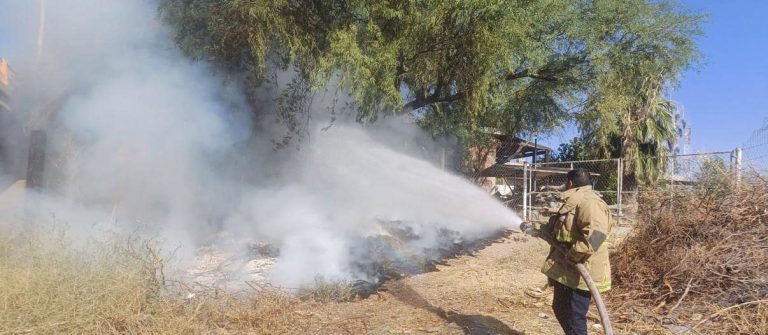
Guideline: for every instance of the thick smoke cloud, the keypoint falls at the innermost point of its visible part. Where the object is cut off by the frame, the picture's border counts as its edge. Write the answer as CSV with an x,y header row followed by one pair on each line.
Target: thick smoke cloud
x,y
346,186
155,142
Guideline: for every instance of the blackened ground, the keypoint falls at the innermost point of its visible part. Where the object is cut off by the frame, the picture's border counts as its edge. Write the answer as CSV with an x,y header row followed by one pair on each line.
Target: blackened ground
x,y
477,292
399,254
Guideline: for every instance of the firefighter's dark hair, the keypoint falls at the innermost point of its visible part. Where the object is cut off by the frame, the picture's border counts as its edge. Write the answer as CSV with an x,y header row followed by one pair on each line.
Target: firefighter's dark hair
x,y
579,177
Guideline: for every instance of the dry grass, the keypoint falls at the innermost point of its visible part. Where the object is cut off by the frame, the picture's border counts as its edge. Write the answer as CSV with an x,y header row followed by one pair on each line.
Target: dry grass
x,y
328,291
698,259
51,283
116,287
48,284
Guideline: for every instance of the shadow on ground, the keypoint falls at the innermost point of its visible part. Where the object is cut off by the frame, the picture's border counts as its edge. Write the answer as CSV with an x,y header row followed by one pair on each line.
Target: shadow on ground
x,y
471,324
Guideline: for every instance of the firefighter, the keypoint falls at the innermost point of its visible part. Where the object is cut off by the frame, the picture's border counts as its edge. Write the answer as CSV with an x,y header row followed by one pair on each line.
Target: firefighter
x,y
581,225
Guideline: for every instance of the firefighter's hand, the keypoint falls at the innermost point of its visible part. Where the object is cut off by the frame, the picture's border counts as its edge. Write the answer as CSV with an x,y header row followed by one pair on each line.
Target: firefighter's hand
x,y
528,228
575,257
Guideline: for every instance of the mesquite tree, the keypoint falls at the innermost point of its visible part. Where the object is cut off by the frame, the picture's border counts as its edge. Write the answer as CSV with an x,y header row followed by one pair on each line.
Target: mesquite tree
x,y
462,68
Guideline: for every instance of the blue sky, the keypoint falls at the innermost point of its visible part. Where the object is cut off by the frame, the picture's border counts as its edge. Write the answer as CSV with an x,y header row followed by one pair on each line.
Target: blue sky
x,y
724,99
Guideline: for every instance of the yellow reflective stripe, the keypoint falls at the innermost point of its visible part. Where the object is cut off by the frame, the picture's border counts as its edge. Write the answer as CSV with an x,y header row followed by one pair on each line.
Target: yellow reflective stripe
x,y
563,235
580,284
602,287
572,279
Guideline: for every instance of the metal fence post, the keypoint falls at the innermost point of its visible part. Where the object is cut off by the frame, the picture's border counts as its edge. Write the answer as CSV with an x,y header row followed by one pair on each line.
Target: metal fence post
x,y
738,168
36,160
525,191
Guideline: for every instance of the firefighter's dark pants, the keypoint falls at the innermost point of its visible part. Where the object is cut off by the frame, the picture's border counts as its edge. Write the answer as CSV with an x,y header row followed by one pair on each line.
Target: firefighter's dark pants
x,y
570,307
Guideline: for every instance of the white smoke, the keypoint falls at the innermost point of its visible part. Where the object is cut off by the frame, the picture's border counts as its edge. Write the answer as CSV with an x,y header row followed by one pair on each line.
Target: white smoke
x,y
348,183
134,129
156,141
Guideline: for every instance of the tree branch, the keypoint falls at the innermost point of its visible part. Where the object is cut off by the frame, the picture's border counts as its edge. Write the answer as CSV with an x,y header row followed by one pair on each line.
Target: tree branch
x,y
526,73
422,101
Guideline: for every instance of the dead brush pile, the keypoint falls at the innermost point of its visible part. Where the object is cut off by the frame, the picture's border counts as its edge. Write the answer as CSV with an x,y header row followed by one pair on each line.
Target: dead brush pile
x,y
697,262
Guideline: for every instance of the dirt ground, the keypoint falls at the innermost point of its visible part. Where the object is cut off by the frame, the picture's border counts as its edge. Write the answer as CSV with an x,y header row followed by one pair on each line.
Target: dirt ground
x,y
483,293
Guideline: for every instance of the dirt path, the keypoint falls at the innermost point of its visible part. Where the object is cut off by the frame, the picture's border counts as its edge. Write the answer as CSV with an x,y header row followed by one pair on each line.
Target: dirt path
x,y
479,294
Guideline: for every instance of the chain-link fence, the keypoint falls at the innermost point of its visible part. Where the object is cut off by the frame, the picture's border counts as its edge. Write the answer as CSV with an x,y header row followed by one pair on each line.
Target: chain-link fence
x,y
674,174
522,174
545,182
622,182
755,151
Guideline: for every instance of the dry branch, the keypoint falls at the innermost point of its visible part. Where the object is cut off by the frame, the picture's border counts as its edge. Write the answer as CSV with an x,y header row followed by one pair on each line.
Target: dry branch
x,y
706,244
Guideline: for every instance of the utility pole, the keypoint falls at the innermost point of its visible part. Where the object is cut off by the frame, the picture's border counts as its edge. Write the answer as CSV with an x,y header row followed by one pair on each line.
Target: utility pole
x,y
37,136
40,33
36,160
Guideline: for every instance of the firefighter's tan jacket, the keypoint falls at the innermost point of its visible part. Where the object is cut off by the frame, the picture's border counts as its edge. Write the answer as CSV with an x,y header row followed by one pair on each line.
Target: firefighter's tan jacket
x,y
582,225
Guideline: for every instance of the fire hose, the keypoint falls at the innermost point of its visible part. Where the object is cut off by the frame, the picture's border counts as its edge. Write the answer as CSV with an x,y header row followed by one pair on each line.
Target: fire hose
x,y
582,270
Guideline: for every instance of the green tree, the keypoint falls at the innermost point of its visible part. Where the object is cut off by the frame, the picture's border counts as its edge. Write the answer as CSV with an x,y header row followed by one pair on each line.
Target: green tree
x,y
654,140
713,178
463,68
645,147
631,119
574,150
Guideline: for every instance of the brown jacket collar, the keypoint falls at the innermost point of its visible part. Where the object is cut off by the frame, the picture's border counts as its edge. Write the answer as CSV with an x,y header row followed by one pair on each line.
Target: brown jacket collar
x,y
568,193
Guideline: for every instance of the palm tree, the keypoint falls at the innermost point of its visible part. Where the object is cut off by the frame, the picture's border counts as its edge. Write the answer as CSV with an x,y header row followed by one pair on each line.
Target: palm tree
x,y
646,149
